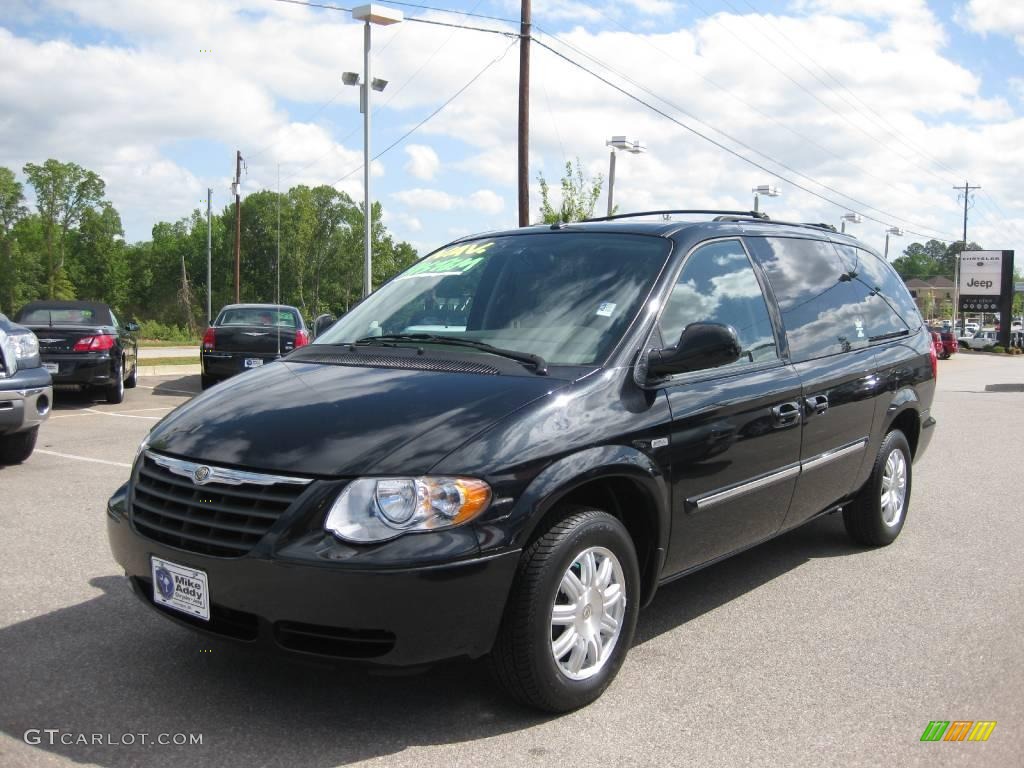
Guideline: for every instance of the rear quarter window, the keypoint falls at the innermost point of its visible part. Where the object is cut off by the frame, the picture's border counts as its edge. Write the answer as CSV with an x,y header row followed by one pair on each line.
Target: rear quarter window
x,y
825,308
880,277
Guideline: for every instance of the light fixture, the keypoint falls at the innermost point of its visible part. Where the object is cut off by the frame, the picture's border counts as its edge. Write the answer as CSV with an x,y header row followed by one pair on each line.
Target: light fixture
x,y
377,14
622,144
350,78
378,85
766,190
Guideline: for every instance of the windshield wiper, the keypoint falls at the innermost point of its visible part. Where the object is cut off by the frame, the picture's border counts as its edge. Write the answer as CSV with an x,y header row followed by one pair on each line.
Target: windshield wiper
x,y
540,366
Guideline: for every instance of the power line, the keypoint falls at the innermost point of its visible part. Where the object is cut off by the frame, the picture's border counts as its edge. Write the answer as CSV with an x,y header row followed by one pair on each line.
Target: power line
x,y
455,12
892,130
710,140
387,101
412,19
802,136
735,140
809,92
433,114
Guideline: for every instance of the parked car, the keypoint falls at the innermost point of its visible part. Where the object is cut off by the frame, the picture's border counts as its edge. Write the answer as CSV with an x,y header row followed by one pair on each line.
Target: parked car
x,y
630,401
937,343
950,346
980,340
245,336
25,392
82,343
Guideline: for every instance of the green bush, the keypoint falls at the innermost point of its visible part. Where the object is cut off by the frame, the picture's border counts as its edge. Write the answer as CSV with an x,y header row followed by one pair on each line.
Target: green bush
x,y
156,331
998,348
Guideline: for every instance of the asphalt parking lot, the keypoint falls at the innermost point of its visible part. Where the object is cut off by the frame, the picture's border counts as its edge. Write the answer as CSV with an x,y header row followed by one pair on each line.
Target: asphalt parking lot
x,y
803,651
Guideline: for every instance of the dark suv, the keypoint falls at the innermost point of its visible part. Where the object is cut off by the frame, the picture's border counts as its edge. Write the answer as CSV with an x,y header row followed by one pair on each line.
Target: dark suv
x,y
26,392
619,404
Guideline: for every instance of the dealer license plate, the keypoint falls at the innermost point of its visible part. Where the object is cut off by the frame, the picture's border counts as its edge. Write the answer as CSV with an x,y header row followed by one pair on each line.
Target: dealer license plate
x,y
253,362
181,588
52,367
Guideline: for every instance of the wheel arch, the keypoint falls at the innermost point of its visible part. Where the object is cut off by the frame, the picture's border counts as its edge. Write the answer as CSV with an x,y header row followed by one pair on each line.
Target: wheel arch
x,y
620,480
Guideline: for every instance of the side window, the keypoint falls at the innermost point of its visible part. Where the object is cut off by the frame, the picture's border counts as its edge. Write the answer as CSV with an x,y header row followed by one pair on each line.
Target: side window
x,y
114,318
882,279
825,308
718,285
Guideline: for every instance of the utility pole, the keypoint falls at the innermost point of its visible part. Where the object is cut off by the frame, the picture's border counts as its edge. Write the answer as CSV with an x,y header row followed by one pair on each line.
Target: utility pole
x,y
238,226
524,115
956,261
209,257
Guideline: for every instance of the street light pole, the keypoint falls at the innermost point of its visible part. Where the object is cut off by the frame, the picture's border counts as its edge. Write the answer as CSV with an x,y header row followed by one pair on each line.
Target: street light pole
x,y
634,147
367,206
891,231
853,218
368,14
768,190
209,257
611,179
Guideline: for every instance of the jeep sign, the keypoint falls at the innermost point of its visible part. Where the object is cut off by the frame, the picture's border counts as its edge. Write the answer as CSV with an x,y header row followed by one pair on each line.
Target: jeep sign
x,y
986,285
981,273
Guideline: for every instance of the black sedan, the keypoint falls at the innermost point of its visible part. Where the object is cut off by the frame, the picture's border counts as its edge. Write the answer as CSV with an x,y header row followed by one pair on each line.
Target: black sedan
x,y
83,343
246,336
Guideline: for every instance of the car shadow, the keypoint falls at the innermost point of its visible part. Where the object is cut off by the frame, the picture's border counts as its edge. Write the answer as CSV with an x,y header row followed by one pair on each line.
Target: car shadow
x,y
110,666
177,386
69,398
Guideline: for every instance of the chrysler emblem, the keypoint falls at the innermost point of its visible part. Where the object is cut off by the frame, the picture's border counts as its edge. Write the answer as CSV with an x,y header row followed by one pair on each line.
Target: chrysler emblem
x,y
201,475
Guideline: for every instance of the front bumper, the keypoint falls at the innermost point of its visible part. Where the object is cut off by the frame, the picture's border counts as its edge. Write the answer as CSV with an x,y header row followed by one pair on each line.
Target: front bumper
x,y
25,400
82,368
395,616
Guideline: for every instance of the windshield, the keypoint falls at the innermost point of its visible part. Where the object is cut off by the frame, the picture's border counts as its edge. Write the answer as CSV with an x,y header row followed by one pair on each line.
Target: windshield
x,y
565,296
63,316
257,316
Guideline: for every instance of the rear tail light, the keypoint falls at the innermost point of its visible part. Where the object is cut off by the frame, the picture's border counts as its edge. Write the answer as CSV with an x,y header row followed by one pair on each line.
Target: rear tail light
x,y
934,355
94,343
301,338
209,338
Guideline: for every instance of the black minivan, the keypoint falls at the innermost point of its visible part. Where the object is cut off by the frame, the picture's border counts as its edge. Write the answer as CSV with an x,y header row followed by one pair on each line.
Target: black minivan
x,y
507,448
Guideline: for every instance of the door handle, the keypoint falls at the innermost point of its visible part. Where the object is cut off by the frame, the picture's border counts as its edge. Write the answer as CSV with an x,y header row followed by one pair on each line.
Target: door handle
x,y
816,405
786,414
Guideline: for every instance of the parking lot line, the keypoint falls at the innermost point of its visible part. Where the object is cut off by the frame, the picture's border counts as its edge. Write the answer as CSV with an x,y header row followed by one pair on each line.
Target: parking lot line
x,y
121,415
83,458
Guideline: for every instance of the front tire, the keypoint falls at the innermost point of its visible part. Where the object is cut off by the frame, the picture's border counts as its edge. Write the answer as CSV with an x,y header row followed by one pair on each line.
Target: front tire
x,y
16,448
876,517
571,614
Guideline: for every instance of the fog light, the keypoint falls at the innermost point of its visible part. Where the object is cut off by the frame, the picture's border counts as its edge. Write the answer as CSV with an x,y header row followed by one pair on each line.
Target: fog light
x,y
42,405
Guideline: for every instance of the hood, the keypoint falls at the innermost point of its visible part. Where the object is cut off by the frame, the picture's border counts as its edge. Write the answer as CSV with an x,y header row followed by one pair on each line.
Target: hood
x,y
341,421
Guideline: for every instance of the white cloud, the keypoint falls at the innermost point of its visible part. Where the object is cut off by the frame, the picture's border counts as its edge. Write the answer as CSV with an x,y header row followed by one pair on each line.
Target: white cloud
x,y
1001,17
429,199
483,200
487,201
423,161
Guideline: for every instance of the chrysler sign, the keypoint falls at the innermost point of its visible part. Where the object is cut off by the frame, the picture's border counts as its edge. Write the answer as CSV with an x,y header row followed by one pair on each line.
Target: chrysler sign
x,y
981,273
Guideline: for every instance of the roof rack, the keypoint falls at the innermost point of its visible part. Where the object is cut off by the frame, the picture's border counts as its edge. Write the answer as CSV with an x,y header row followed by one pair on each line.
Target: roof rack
x,y
758,216
739,214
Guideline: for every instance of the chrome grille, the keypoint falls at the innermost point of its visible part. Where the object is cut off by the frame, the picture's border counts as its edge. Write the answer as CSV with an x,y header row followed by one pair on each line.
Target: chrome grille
x,y
224,512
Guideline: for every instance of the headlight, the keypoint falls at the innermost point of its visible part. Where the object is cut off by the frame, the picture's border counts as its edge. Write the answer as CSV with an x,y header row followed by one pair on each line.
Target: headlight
x,y
378,509
26,349
142,446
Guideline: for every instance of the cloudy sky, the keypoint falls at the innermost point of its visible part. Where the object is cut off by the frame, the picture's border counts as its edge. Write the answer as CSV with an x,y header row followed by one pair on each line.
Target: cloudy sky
x,y
874,106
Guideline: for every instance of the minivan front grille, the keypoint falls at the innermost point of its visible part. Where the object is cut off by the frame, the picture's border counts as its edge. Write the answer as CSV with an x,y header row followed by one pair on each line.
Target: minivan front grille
x,y
223,513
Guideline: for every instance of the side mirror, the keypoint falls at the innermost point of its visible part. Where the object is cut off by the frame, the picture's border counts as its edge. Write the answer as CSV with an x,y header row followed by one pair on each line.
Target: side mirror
x,y
132,327
322,323
701,346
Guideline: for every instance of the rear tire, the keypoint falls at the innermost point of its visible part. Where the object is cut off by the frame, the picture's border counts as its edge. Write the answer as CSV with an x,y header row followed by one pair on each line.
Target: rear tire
x,y
565,632
15,448
115,391
876,517
132,380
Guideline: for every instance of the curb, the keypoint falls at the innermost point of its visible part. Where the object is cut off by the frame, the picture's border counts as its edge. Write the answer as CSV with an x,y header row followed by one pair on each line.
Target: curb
x,y
170,370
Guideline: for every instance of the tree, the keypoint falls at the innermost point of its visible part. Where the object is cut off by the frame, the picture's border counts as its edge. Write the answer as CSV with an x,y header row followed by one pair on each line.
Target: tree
x,y
931,259
12,211
579,196
63,192
96,263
